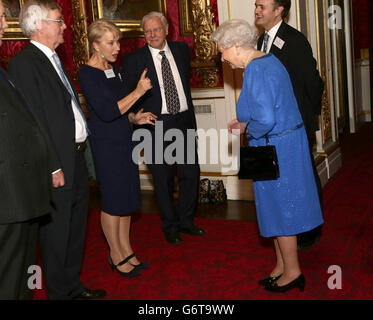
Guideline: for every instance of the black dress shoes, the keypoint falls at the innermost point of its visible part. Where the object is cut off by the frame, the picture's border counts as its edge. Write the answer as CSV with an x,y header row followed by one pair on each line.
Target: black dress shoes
x,y
299,283
194,231
131,274
269,280
172,237
88,294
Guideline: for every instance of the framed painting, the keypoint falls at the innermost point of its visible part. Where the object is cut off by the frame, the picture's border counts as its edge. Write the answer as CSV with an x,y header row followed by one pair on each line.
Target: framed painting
x,y
126,14
12,9
185,17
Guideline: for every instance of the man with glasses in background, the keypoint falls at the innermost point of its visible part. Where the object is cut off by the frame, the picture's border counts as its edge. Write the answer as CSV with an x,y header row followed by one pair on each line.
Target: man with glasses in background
x,y
45,83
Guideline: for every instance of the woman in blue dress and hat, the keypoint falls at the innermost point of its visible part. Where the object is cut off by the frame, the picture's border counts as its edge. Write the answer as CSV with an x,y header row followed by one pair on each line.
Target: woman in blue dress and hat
x,y
289,205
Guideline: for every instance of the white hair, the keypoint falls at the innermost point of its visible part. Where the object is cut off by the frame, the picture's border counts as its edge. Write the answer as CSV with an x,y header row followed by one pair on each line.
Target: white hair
x,y
154,14
236,32
32,13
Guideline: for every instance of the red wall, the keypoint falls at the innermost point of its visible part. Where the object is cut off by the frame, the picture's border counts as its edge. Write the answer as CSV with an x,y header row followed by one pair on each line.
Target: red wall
x,y
65,51
360,12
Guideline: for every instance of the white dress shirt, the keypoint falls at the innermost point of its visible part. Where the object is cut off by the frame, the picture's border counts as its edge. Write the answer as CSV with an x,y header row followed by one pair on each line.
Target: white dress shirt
x,y
80,130
157,59
272,34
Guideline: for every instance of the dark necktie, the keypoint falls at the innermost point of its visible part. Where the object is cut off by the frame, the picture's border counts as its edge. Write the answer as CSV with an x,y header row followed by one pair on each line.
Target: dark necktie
x,y
266,38
57,61
170,91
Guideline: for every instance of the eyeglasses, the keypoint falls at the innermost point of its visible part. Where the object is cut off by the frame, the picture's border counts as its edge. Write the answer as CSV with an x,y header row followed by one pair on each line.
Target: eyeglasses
x,y
59,21
155,30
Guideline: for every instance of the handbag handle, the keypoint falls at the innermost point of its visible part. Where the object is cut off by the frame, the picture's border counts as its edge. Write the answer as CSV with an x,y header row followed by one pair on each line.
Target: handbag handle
x,y
247,140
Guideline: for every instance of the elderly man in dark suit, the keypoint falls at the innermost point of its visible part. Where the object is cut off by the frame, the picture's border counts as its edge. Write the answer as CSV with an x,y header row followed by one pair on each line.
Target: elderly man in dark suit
x,y
25,185
292,48
47,86
170,99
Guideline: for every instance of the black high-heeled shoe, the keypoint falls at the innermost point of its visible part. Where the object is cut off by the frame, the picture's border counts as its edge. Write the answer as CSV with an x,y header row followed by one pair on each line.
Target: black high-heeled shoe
x,y
131,274
140,266
269,280
299,283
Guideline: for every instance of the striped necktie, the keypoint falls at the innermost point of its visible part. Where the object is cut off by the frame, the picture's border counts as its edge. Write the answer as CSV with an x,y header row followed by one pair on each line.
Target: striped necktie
x,y
170,91
266,38
57,61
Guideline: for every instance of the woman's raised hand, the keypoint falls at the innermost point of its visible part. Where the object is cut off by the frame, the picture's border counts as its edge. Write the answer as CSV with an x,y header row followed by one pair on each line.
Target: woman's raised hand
x,y
144,83
144,118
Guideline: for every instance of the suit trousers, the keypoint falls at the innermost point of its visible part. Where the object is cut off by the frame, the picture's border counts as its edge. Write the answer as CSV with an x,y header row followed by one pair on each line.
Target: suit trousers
x,y
181,215
62,236
17,253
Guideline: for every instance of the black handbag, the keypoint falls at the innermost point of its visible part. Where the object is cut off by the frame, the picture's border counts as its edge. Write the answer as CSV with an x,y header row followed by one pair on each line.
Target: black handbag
x,y
258,163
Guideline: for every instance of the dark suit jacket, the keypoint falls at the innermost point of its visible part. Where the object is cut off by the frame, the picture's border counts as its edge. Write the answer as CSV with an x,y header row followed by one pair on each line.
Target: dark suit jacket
x,y
135,63
296,56
25,177
43,88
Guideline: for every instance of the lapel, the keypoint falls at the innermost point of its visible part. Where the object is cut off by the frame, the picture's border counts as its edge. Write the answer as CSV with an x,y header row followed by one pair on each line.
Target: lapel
x,y
51,70
24,109
178,57
35,51
152,75
281,34
260,42
149,64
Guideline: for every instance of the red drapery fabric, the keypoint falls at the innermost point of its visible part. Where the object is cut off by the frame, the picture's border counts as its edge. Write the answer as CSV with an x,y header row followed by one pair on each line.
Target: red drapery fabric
x,y
362,37
65,51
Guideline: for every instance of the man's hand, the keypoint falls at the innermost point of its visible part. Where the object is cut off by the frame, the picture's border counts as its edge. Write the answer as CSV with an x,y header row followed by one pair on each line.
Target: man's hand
x,y
58,179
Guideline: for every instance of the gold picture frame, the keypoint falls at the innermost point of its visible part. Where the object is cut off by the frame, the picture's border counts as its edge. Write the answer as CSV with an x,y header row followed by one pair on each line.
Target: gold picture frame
x,y
13,32
185,18
126,14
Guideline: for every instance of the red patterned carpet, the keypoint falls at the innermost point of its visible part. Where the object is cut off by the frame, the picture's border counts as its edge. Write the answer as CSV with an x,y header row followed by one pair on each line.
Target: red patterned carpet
x,y
227,263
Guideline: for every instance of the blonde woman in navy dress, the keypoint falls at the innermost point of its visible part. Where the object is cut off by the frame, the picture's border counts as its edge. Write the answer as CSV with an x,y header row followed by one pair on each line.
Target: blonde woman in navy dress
x,y
289,205
111,139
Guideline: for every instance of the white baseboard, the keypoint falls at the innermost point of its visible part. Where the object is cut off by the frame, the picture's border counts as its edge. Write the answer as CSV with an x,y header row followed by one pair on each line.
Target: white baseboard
x,y
334,162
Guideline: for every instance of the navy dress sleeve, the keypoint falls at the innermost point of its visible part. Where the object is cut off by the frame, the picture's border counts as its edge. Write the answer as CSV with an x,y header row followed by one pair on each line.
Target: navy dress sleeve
x,y
100,97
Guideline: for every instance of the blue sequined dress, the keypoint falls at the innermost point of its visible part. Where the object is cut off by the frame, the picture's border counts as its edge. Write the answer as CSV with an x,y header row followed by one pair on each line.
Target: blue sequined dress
x,y
289,205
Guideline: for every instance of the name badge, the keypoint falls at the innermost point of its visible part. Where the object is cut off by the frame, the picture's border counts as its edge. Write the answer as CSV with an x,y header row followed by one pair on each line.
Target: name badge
x,y
279,43
109,73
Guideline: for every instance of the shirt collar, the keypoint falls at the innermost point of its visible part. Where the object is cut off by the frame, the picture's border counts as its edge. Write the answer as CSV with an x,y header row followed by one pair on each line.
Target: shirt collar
x,y
155,52
273,31
48,52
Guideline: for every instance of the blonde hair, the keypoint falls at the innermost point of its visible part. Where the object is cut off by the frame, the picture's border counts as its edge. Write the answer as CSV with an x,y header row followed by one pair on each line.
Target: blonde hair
x,y
97,30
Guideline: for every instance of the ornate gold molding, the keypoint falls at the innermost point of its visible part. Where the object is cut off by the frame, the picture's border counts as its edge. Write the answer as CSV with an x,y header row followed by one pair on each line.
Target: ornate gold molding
x,y
206,61
326,118
185,14
81,51
326,103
